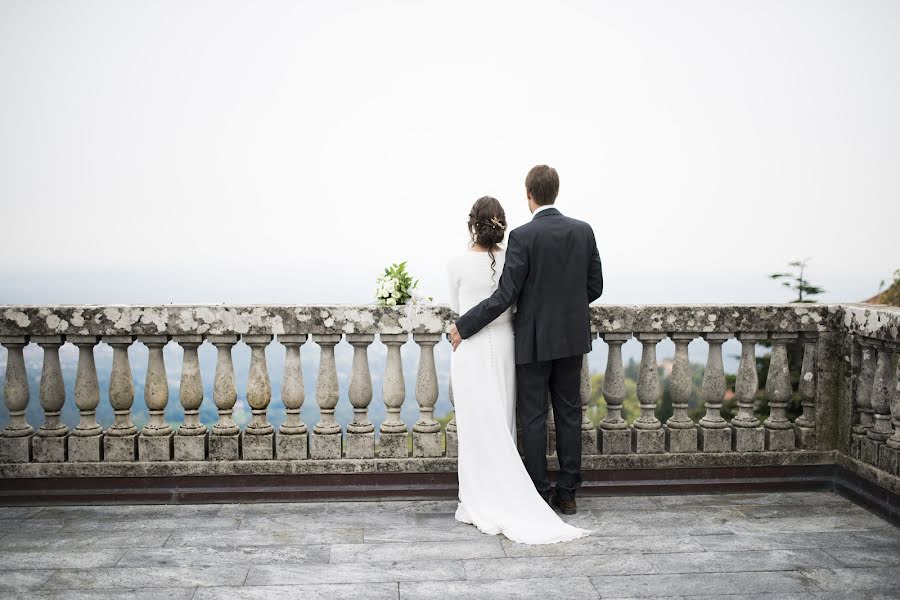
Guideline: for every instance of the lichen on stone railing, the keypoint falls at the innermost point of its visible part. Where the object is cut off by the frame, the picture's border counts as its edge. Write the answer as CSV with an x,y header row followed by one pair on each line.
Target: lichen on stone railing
x,y
848,386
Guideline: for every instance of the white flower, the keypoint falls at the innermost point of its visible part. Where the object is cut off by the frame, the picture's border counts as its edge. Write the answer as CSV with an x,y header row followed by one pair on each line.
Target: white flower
x,y
391,302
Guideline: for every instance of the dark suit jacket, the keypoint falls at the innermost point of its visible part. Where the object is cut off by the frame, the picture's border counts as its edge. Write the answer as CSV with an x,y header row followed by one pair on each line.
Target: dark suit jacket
x,y
552,272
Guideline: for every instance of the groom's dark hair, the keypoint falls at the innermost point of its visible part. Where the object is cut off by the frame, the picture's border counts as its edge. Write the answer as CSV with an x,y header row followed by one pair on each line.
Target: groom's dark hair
x,y
542,184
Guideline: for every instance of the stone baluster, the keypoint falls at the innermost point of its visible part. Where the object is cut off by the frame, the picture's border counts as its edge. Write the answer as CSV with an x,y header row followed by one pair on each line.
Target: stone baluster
x,y
393,443
882,392
805,424
155,440
15,440
291,443
864,386
588,431
258,439
855,362
190,439
681,433
862,395
86,441
715,434
224,439
426,431
326,436
615,434
889,458
649,436
120,440
49,443
451,435
749,435
779,431
361,432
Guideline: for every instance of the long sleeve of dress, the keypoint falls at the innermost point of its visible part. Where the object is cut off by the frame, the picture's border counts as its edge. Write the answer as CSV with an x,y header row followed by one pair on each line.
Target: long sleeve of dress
x,y
453,287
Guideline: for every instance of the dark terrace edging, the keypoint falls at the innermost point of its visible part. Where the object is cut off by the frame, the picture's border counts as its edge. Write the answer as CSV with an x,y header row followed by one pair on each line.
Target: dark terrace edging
x,y
411,486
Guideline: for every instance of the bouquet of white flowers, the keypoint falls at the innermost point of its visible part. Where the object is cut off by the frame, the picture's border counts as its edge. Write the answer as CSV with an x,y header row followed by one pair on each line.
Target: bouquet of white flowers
x,y
395,286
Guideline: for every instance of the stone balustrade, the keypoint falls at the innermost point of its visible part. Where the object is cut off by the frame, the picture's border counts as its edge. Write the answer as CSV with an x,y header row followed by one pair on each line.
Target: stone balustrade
x,y
849,382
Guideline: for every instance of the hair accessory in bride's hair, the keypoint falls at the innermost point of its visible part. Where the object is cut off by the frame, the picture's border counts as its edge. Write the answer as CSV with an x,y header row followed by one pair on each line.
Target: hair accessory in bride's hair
x,y
496,223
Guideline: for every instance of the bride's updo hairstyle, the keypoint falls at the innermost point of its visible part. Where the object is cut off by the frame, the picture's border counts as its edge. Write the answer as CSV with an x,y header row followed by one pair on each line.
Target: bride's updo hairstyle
x,y
487,226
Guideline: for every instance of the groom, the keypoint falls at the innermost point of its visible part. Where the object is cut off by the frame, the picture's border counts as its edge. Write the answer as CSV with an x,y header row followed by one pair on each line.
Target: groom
x,y
552,272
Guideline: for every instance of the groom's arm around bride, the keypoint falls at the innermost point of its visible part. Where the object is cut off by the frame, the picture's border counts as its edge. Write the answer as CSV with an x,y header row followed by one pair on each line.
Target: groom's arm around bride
x,y
552,272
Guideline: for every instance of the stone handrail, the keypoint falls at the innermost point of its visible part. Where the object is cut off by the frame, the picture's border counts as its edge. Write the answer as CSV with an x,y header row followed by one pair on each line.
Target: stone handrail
x,y
848,386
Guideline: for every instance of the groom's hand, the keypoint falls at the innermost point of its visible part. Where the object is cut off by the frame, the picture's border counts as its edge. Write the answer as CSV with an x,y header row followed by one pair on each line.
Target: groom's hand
x,y
455,338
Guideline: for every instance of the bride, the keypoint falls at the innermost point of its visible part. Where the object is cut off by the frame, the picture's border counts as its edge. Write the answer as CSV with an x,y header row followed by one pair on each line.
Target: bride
x,y
496,493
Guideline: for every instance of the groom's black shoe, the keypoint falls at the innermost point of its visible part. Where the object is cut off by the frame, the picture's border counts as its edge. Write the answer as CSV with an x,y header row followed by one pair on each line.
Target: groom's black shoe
x,y
566,507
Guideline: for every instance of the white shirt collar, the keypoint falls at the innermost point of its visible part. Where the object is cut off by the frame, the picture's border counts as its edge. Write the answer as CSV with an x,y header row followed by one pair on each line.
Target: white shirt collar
x,y
540,208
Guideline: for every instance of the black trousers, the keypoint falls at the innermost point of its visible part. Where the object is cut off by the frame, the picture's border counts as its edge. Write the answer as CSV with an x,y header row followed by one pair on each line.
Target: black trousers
x,y
560,379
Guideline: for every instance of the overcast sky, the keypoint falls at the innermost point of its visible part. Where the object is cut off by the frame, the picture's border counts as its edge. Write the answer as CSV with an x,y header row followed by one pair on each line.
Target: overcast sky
x,y
287,151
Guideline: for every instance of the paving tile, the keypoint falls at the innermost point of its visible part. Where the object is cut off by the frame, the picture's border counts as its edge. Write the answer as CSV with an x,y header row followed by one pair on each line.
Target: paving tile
x,y
593,545
25,579
697,500
883,556
250,537
363,519
19,512
486,548
570,588
753,498
885,536
58,559
849,579
784,510
90,540
747,560
139,577
150,524
135,511
316,509
812,539
661,598
460,532
867,595
556,566
414,506
355,572
660,522
338,591
715,584
618,503
808,523
14,526
785,596
211,556
126,594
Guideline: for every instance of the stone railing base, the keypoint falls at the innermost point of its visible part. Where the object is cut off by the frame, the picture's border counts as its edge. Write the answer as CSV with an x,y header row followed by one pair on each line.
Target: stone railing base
x,y
344,479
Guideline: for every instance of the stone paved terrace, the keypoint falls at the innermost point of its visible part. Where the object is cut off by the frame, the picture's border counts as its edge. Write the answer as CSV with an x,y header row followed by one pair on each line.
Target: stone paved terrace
x,y
772,546
108,510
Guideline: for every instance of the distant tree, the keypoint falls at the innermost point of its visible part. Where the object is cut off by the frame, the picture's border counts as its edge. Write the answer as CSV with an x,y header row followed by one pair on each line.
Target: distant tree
x,y
796,280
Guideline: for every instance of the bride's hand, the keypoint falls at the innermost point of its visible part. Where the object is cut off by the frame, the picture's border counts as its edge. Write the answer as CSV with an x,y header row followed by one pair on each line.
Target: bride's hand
x,y
455,338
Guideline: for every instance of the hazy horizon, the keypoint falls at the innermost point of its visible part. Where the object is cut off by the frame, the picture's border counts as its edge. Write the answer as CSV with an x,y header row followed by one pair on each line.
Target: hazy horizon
x,y
288,151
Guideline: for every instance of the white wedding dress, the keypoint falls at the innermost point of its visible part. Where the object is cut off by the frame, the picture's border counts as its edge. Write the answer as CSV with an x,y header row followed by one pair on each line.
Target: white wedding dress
x,y
495,491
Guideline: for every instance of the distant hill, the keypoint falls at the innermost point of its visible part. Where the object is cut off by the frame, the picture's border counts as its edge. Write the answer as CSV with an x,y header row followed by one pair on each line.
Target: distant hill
x,y
890,296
